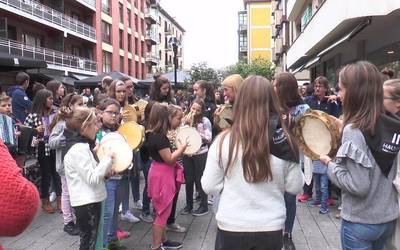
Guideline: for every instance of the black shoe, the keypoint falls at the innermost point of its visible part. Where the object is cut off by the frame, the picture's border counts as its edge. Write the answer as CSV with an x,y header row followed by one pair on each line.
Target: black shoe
x,y
186,210
71,229
169,244
201,211
288,242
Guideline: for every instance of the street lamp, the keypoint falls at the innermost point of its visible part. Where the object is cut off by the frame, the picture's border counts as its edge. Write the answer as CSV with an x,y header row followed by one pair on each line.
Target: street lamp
x,y
175,43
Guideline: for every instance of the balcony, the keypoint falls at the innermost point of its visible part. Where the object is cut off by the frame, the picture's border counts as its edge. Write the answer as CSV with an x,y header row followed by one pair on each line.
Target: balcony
x,y
151,15
273,55
154,2
278,46
242,27
54,59
152,59
242,48
168,32
168,47
152,37
48,16
91,4
279,18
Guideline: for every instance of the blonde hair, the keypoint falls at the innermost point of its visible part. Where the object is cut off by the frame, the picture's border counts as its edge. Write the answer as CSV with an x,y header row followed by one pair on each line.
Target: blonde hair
x,y
79,117
5,98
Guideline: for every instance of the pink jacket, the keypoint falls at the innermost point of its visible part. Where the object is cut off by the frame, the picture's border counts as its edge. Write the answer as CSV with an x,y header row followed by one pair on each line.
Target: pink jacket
x,y
163,183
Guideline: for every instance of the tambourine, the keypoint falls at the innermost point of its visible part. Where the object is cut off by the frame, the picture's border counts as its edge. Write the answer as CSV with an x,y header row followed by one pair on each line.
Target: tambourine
x,y
116,143
191,135
133,133
317,134
223,116
141,104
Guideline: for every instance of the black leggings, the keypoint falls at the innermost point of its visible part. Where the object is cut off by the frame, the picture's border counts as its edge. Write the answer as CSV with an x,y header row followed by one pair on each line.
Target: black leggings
x,y
194,168
248,240
48,172
87,219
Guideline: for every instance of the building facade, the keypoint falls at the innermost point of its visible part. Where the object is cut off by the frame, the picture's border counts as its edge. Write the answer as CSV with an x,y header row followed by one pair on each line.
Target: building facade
x,y
358,30
80,38
60,32
255,30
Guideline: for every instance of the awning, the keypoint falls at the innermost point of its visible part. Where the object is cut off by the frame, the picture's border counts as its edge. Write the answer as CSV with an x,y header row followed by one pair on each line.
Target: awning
x,y
347,37
95,81
11,62
311,62
64,79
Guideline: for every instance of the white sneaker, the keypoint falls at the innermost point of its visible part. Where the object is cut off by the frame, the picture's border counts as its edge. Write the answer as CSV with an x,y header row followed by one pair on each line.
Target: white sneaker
x,y
128,216
52,197
138,204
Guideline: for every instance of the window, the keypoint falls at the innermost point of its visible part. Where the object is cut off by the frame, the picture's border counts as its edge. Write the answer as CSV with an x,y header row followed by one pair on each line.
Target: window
x,y
166,42
243,42
106,62
306,17
143,76
121,64
142,24
130,67
121,39
137,70
106,6
142,49
76,51
136,46
243,19
33,40
121,12
129,18
136,23
129,43
142,5
106,32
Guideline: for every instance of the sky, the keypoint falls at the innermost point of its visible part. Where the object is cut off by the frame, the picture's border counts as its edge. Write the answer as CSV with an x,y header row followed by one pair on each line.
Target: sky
x,y
211,30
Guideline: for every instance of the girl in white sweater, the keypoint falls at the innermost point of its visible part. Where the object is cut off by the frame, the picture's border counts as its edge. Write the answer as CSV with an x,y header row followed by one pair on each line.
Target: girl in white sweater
x,y
84,173
251,165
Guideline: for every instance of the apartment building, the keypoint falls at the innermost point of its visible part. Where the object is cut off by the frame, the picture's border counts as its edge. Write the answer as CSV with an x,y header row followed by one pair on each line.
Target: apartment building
x,y
324,35
280,40
254,30
170,29
58,32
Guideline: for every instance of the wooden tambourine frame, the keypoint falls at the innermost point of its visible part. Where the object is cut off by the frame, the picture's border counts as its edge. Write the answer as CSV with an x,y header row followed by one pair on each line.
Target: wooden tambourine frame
x,y
330,126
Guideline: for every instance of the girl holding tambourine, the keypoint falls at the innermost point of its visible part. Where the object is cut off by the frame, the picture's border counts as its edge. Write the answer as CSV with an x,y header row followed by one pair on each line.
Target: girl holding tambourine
x,y
194,164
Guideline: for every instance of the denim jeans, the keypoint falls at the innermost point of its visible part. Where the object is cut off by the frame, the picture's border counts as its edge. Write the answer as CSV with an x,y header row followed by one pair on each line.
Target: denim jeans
x,y
146,200
111,210
124,192
290,203
321,189
356,236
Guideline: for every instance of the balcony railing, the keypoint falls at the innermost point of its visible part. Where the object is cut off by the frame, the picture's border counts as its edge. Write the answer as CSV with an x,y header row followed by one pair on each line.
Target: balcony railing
x,y
168,32
243,48
52,57
152,36
48,14
242,27
152,14
152,58
90,3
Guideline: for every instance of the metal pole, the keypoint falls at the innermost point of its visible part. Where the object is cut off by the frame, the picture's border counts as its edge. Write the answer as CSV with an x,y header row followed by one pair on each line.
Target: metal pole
x,y
175,46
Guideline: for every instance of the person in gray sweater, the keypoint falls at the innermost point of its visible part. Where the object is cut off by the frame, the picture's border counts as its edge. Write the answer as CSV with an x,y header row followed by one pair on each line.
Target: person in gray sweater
x,y
365,164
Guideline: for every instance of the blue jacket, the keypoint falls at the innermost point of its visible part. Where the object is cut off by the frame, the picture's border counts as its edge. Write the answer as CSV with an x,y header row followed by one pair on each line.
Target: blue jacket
x,y
332,108
20,102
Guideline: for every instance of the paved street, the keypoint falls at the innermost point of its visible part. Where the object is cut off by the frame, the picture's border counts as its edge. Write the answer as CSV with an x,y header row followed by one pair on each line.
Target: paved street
x,y
311,231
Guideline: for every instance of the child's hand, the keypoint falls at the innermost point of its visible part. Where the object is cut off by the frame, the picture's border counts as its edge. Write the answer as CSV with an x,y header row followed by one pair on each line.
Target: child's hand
x,y
183,145
325,159
40,129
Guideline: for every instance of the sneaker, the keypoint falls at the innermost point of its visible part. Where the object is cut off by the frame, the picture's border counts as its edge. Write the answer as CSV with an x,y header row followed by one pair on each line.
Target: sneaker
x,y
186,210
128,216
71,229
138,204
303,198
158,248
200,211
330,202
116,245
52,197
146,218
314,203
169,244
121,234
288,242
323,210
210,201
176,227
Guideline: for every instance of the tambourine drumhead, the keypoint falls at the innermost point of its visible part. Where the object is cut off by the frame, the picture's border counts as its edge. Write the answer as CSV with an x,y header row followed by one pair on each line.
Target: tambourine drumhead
x,y
225,117
114,142
192,136
142,106
129,113
317,134
133,134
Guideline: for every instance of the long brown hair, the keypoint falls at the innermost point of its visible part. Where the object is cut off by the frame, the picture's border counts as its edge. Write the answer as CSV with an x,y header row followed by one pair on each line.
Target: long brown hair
x,y
287,90
66,103
363,101
159,119
255,102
